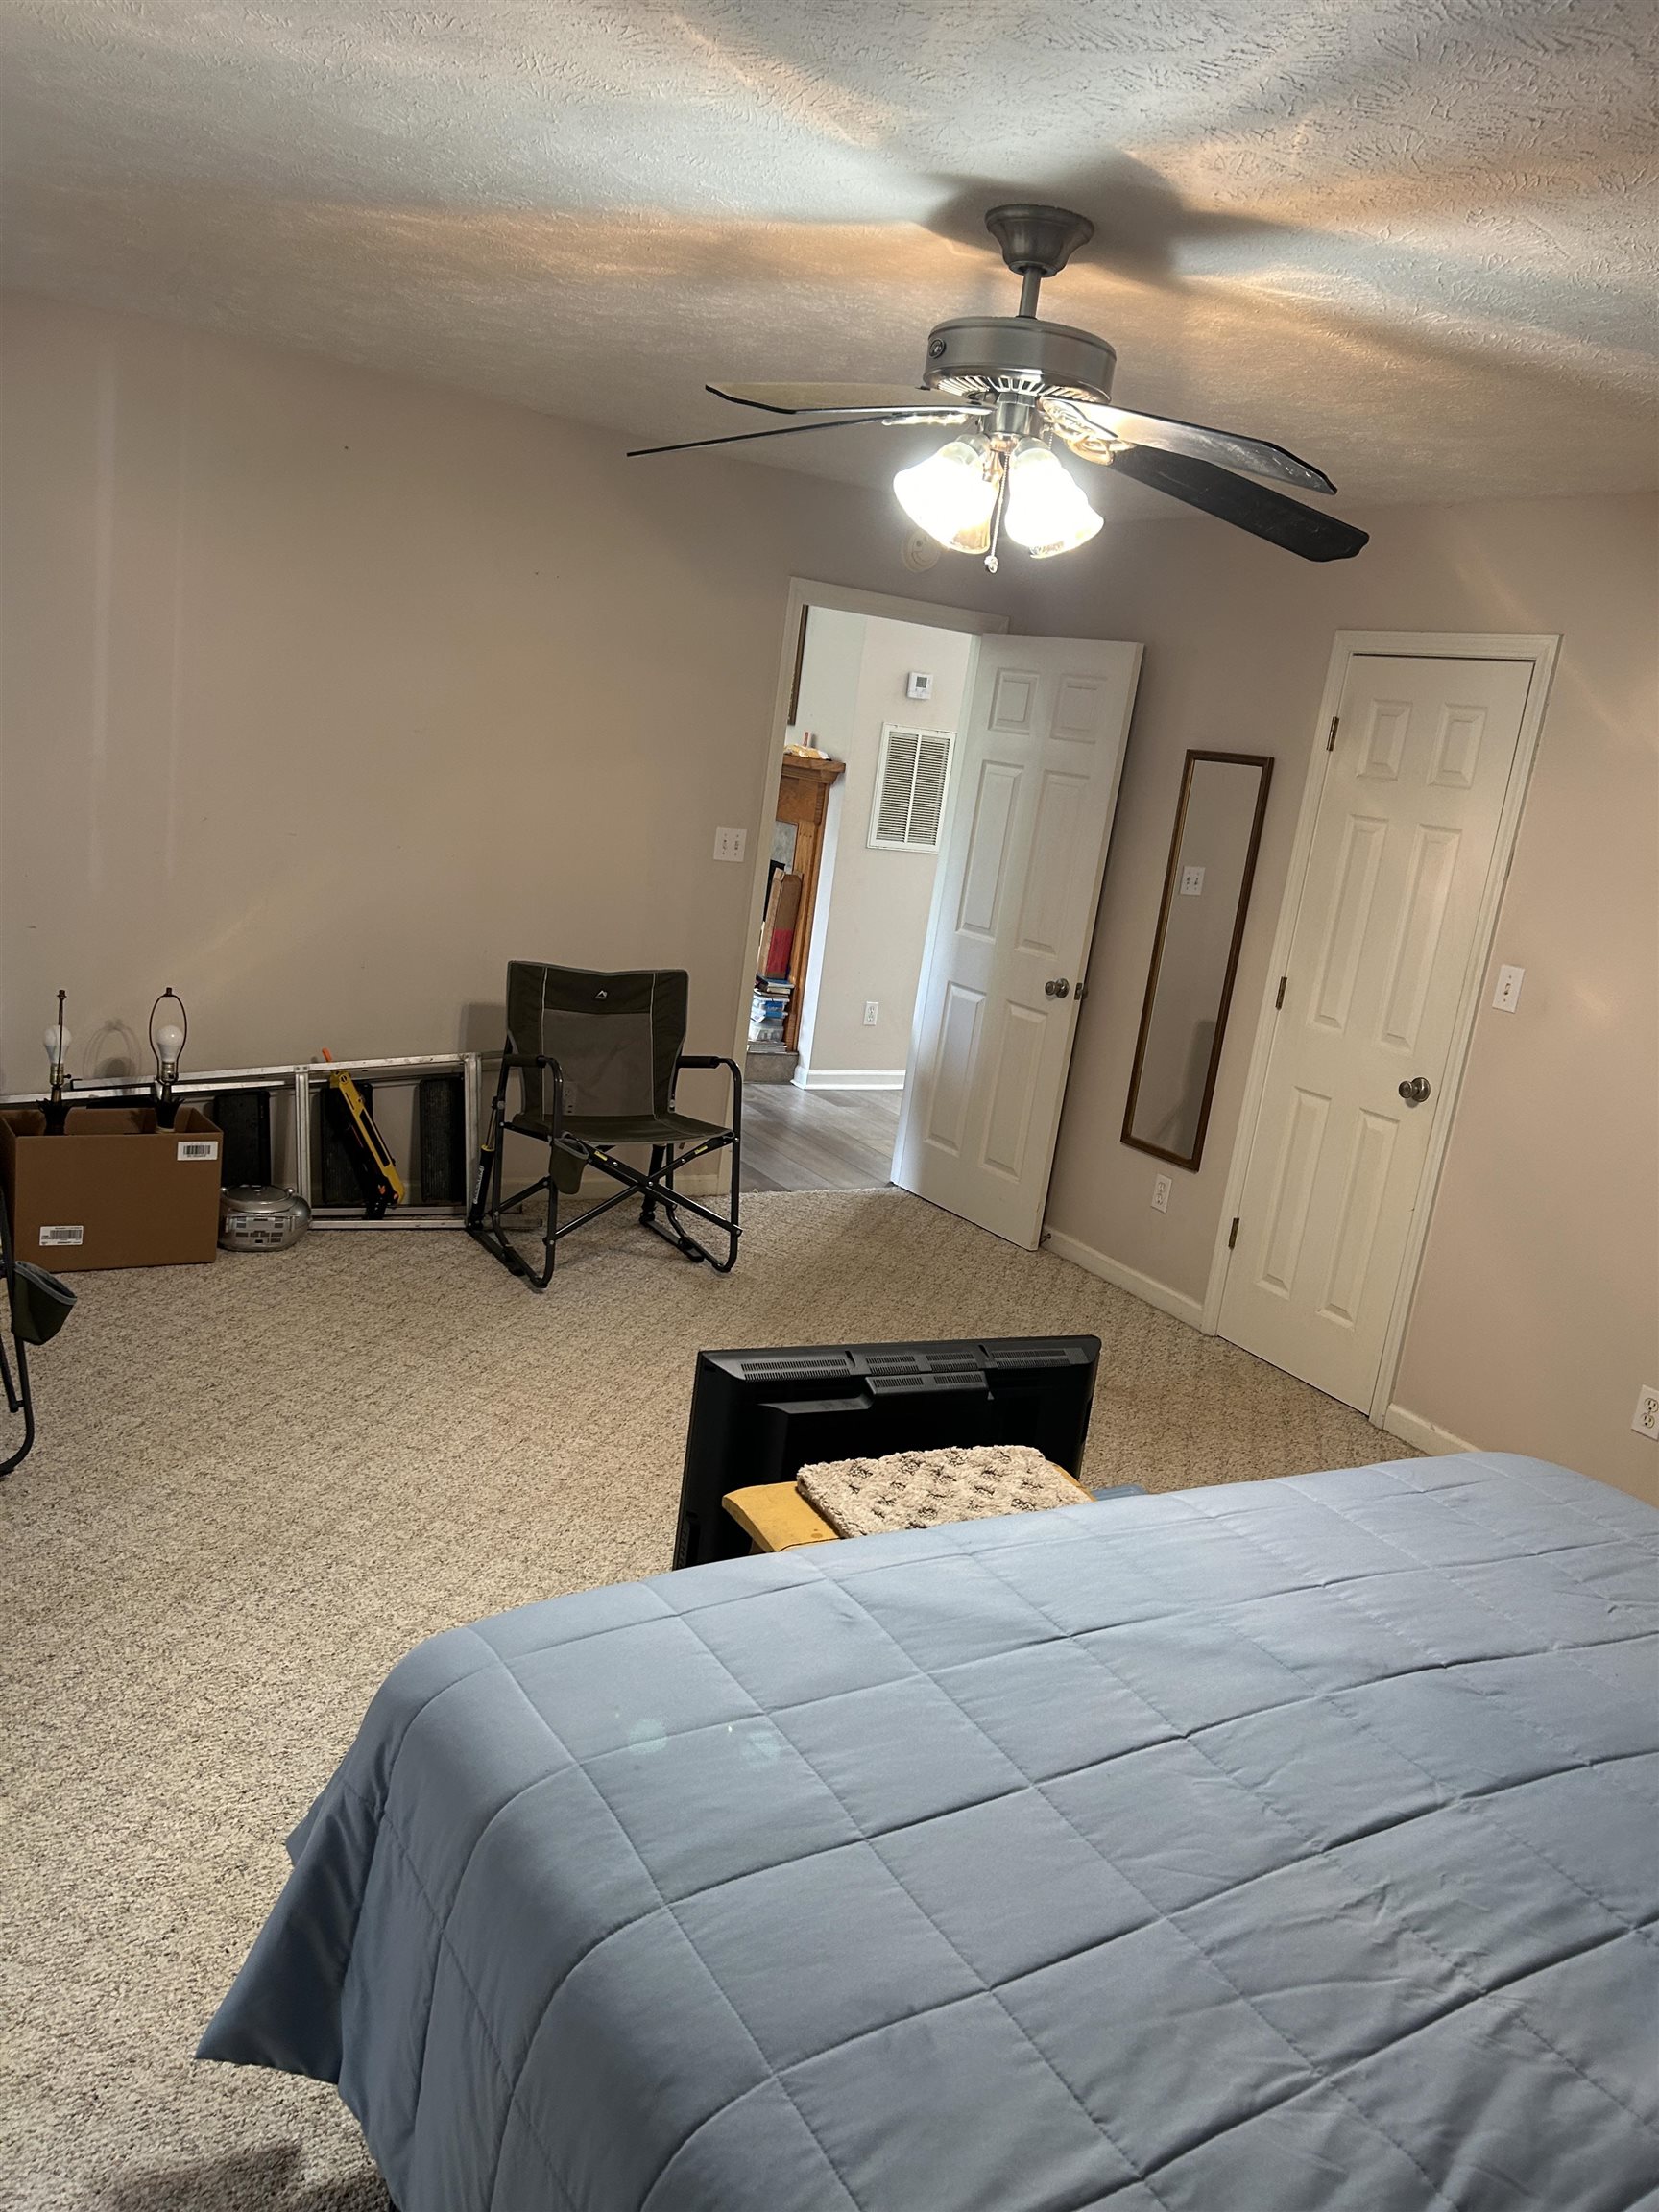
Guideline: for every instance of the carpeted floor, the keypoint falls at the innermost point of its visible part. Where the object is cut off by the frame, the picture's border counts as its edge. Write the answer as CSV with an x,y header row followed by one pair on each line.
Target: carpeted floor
x,y
259,1483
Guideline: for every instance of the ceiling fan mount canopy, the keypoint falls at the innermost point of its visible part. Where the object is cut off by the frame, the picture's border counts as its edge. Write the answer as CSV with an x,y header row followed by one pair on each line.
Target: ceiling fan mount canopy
x,y
1038,240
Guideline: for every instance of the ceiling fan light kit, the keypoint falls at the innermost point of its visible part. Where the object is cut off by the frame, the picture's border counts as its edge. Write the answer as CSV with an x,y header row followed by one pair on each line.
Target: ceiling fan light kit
x,y
952,494
1022,383
1046,512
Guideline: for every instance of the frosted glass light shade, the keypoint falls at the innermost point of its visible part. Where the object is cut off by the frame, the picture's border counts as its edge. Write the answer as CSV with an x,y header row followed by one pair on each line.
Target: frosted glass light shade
x,y
952,494
1046,511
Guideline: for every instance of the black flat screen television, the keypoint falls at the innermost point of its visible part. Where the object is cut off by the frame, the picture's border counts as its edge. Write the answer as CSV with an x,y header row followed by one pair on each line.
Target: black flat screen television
x,y
758,1416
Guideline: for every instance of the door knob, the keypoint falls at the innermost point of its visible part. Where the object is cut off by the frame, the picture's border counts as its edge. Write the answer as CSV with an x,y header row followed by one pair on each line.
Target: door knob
x,y
1057,987
1415,1091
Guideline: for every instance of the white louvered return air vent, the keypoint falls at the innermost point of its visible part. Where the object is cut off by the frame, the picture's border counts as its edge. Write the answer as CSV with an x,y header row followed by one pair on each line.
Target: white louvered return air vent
x,y
910,779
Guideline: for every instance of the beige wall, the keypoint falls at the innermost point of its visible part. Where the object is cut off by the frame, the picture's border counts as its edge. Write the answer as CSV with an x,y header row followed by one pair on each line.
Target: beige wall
x,y
1537,1316
321,694
872,920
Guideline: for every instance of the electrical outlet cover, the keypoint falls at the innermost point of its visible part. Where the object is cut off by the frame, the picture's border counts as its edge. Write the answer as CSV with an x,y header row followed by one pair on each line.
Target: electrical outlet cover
x,y
1161,1193
1645,1419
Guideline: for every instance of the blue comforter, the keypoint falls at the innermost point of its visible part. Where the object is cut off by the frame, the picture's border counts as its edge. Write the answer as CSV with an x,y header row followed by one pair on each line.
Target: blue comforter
x,y
1281,1847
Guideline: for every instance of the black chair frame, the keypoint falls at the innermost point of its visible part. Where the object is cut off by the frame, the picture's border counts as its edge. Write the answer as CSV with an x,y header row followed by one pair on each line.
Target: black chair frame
x,y
654,1186
19,1396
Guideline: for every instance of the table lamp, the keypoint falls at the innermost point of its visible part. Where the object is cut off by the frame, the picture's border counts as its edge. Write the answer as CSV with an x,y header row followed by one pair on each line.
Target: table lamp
x,y
167,1043
57,1041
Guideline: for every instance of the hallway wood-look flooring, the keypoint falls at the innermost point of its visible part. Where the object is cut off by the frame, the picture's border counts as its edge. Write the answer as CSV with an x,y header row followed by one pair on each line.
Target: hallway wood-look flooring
x,y
817,1140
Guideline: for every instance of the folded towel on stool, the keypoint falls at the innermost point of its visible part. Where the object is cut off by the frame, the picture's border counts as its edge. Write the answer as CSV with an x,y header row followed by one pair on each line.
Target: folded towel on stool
x,y
920,1489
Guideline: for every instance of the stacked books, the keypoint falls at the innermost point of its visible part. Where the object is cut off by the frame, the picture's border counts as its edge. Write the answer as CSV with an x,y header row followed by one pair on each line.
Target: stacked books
x,y
768,1010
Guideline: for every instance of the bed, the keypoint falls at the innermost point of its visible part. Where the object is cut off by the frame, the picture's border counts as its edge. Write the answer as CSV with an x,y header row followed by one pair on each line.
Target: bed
x,y
1290,1846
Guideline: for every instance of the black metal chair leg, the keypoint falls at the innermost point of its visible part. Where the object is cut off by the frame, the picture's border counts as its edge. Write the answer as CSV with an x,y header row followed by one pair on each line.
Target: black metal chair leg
x,y
549,1227
689,1248
484,1216
21,1399
648,1209
736,1197
487,1156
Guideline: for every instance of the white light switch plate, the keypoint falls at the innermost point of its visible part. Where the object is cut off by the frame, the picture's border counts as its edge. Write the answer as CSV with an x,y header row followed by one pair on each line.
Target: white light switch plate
x,y
1160,1195
1191,882
1507,995
729,843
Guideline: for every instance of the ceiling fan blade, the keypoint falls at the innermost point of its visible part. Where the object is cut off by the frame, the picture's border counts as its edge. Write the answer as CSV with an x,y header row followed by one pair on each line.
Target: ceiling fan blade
x,y
793,429
1228,448
1252,507
833,398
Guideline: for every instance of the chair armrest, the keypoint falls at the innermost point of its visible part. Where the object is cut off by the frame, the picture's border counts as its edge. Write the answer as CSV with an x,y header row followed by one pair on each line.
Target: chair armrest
x,y
524,1061
712,1060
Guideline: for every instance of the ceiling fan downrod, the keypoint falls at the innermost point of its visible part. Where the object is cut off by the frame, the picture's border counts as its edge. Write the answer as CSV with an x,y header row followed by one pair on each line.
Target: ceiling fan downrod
x,y
1037,242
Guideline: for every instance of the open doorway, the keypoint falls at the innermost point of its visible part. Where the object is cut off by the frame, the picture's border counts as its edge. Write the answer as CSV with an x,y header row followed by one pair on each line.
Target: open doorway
x,y
1015,803
850,857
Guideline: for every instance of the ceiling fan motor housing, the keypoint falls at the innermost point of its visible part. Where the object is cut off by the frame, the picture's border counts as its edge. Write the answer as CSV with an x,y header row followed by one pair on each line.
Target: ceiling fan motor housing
x,y
985,357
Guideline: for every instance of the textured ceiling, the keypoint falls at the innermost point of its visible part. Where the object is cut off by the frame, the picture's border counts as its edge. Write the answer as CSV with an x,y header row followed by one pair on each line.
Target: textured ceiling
x,y
1412,240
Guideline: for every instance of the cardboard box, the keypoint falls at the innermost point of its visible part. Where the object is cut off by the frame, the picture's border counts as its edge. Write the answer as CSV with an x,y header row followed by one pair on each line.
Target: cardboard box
x,y
114,1189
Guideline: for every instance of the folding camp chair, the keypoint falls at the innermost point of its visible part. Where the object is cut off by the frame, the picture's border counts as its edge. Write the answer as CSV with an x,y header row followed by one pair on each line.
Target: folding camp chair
x,y
597,1058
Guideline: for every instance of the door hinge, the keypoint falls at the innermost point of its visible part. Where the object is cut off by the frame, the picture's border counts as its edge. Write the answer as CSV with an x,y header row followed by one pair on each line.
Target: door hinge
x,y
1279,999
1330,733
1233,1234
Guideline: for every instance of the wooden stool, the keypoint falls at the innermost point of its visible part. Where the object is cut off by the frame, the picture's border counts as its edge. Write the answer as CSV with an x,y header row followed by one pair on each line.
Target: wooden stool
x,y
777,1518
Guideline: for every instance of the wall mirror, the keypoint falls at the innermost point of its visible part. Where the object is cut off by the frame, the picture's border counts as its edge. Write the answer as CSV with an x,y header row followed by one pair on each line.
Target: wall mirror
x,y
1195,956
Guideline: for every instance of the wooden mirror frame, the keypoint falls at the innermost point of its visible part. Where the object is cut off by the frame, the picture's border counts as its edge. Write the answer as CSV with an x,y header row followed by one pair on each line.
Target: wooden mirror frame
x,y
1262,761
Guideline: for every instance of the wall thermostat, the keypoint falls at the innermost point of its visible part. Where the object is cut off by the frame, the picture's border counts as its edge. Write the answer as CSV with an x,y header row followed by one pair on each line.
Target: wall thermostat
x,y
918,685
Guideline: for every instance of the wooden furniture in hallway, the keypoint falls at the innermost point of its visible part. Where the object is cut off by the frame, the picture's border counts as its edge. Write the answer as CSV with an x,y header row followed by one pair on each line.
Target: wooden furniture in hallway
x,y
802,800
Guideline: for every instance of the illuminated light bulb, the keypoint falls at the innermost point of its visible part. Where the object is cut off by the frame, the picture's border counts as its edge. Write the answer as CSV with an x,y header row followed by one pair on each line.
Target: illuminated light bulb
x,y
169,1043
1046,511
952,494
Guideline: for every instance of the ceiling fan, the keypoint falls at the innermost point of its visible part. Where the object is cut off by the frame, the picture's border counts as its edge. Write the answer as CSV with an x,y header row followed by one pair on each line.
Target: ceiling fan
x,y
1022,383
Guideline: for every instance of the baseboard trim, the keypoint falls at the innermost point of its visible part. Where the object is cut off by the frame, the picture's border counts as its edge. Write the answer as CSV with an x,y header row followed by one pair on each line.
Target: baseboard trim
x,y
1427,1435
1139,1285
807,1078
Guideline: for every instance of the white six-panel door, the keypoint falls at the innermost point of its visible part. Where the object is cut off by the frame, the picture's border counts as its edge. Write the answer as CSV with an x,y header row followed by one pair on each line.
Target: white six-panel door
x,y
1403,842
1038,758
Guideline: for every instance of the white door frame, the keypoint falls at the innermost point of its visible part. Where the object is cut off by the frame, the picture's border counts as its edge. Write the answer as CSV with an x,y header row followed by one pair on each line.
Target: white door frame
x,y
1540,649
844,599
